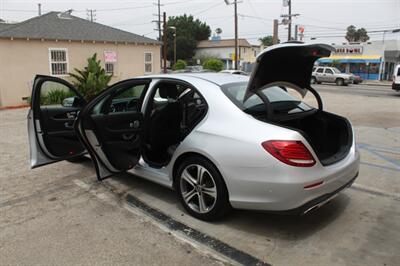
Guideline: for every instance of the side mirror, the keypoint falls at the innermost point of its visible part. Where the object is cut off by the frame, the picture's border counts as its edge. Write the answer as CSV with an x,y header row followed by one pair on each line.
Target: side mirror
x,y
74,101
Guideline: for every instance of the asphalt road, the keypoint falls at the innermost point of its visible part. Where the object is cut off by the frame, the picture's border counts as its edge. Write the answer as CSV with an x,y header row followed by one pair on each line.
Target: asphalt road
x,y
59,214
358,89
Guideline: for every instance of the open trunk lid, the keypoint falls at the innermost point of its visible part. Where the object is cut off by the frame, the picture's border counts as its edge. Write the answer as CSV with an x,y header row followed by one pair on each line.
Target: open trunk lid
x,y
287,62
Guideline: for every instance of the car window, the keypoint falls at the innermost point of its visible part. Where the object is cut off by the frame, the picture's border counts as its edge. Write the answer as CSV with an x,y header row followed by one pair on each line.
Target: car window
x,y
320,70
284,100
56,94
337,71
398,71
328,71
123,100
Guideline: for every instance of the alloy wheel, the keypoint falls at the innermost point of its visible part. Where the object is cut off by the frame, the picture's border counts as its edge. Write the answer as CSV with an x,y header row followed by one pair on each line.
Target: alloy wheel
x,y
198,188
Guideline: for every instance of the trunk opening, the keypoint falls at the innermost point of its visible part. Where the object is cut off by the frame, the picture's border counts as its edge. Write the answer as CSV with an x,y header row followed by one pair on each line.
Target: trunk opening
x,y
329,135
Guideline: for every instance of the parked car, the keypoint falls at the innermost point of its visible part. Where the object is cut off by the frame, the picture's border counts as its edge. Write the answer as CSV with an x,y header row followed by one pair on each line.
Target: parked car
x,y
357,79
330,75
396,78
220,141
232,71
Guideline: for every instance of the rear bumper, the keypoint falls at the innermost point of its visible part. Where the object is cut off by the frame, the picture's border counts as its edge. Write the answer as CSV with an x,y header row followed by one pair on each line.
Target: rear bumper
x,y
318,202
282,189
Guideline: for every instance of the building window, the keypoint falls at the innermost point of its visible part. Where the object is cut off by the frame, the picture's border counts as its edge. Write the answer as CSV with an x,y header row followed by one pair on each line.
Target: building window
x,y
58,61
148,63
109,69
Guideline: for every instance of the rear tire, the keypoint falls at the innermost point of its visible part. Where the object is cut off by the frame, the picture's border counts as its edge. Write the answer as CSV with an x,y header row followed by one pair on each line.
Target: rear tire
x,y
339,82
205,198
313,80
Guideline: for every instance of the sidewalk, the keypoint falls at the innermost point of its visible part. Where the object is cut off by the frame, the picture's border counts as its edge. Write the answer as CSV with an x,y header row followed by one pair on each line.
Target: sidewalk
x,y
377,83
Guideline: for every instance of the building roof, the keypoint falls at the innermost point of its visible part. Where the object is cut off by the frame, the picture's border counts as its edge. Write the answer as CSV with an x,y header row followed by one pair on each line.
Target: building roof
x,y
63,26
223,43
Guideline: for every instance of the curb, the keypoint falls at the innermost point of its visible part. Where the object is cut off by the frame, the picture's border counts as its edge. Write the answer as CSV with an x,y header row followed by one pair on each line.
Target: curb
x,y
14,107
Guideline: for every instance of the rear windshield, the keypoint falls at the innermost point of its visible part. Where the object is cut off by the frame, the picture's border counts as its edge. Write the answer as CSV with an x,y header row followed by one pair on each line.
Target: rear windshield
x,y
281,100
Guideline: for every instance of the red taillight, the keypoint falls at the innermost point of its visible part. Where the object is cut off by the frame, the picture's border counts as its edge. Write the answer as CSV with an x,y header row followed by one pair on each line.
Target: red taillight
x,y
290,152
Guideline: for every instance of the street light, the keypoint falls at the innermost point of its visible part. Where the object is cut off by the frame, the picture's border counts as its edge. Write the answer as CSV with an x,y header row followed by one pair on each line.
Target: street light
x,y
174,28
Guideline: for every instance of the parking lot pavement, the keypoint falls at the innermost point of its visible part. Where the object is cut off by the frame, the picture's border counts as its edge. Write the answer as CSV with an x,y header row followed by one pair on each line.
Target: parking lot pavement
x,y
59,214
46,219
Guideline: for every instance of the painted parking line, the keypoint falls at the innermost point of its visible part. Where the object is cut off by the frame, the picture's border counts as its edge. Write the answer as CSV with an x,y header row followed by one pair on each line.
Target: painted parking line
x,y
220,250
381,153
210,242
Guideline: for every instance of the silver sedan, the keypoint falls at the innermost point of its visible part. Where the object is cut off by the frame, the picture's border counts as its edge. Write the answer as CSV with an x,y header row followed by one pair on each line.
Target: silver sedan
x,y
221,141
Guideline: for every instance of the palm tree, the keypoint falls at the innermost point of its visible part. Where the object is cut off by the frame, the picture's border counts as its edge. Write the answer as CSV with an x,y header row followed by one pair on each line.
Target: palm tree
x,y
92,79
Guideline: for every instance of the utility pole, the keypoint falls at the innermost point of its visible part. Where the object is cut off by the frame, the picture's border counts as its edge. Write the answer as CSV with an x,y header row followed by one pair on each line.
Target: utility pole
x,y
39,9
236,37
165,41
158,21
287,18
237,57
275,32
290,21
91,14
296,29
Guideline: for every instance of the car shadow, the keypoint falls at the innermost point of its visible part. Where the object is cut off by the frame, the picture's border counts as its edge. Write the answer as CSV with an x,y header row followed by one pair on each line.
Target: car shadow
x,y
272,226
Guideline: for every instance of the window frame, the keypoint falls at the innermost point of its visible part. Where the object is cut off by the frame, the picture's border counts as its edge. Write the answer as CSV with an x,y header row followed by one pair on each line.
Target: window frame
x,y
113,68
148,62
51,62
330,70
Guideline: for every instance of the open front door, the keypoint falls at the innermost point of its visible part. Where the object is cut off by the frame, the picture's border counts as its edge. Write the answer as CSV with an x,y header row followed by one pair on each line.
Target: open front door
x,y
55,105
111,127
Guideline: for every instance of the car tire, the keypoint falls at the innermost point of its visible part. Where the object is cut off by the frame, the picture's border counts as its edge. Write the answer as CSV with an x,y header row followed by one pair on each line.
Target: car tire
x,y
197,197
313,80
319,82
339,82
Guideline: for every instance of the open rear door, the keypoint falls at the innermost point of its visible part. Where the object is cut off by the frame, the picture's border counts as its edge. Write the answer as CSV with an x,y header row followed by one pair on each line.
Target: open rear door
x,y
55,105
111,127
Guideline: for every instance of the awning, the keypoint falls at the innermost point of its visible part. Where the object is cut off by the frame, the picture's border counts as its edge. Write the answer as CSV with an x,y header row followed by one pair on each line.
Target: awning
x,y
352,59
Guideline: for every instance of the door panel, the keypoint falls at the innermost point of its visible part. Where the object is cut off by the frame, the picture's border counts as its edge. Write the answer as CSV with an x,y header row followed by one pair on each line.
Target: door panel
x,y
54,108
111,126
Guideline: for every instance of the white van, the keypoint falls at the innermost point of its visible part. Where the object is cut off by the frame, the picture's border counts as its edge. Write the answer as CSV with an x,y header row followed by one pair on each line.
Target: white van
x,y
396,78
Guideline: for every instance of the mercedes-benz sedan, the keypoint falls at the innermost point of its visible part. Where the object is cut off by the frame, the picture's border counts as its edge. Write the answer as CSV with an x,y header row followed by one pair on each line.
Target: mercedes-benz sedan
x,y
219,140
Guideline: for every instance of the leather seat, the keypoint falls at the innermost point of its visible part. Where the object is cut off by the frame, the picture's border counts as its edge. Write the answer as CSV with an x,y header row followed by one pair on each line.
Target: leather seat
x,y
165,123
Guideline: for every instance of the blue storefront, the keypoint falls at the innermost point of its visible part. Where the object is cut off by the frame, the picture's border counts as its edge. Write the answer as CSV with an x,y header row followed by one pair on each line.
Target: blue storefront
x,y
365,66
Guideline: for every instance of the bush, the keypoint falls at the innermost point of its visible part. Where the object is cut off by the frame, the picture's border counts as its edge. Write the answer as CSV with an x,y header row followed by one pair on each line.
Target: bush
x,y
55,96
213,64
180,64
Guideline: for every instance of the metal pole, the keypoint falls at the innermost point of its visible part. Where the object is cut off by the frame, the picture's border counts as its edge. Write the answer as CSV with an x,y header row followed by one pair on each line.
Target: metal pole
x,y
290,21
165,41
236,37
40,9
296,29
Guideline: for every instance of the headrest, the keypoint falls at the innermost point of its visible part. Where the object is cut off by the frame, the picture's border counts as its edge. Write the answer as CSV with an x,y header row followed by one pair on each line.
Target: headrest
x,y
168,90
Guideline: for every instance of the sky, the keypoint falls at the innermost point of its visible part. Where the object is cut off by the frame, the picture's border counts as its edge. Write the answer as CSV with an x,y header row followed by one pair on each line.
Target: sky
x,y
325,20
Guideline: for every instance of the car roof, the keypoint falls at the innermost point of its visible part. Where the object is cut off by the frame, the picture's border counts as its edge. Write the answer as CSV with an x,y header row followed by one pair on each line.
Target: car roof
x,y
217,78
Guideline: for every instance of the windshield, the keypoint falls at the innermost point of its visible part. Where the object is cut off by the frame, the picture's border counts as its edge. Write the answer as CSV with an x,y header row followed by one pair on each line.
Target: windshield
x,y
337,71
280,98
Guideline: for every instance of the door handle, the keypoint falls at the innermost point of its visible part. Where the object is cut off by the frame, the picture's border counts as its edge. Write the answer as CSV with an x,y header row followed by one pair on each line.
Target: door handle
x,y
69,124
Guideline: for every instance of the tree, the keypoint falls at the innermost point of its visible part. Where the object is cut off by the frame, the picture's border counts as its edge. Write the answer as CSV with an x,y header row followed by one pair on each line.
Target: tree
x,y
266,41
213,64
92,79
356,35
189,31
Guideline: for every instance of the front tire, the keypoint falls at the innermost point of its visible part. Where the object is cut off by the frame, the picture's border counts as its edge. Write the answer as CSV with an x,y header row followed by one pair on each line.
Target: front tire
x,y
339,82
201,189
